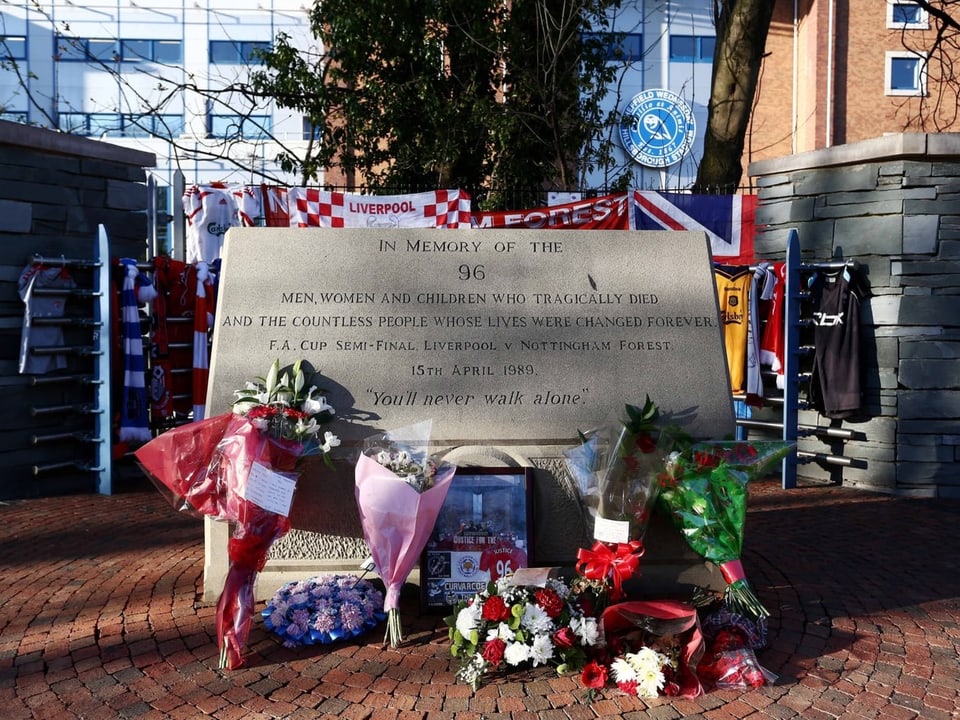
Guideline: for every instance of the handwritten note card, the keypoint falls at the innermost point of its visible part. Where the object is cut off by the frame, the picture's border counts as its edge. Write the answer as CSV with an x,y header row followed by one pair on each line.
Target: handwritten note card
x,y
270,490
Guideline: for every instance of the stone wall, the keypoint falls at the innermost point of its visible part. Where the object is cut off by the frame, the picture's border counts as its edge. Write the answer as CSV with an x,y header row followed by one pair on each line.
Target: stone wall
x,y
55,190
892,204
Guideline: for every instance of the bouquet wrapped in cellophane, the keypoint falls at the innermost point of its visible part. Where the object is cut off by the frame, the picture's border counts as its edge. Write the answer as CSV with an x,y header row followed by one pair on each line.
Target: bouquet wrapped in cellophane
x,y
400,489
704,489
241,467
616,470
616,467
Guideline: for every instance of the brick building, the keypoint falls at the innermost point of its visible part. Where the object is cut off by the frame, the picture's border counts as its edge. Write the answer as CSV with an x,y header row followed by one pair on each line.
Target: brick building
x,y
842,72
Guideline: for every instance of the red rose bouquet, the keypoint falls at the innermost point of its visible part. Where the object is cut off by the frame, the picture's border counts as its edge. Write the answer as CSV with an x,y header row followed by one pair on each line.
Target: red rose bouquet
x,y
704,489
240,467
616,471
730,660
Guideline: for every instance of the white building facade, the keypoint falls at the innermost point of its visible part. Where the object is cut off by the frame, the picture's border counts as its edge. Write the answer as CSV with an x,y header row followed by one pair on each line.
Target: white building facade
x,y
666,45
134,74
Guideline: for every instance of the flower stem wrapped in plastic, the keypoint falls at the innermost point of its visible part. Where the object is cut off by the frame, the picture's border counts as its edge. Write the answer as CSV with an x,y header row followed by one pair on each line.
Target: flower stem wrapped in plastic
x,y
705,491
399,491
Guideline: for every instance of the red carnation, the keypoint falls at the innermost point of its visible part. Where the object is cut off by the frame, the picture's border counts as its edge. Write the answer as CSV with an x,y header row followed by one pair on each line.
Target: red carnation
x,y
551,603
261,411
493,651
495,609
594,675
564,638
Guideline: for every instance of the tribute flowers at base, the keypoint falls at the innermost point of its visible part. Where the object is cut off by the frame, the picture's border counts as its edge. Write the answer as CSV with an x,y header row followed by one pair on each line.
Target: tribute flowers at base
x,y
323,610
616,469
509,627
241,467
704,490
400,490
655,646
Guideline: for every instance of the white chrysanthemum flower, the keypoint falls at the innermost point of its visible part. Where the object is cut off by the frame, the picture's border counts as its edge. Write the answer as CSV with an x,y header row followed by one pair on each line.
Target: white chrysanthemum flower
x,y
647,664
536,620
501,631
516,653
468,619
622,671
542,650
586,630
650,684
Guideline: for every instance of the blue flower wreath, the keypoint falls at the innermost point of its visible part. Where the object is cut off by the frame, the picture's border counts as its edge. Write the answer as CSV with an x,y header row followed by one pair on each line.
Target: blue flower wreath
x,y
323,610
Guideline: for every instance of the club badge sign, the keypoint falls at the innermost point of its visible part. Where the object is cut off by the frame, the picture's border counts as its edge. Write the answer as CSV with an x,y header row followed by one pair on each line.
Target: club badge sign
x,y
657,128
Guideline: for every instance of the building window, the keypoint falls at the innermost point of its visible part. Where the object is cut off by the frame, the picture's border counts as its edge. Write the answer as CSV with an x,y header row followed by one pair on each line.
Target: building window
x,y
159,51
17,117
692,48
13,48
905,73
311,131
235,52
906,15
615,47
112,124
90,124
235,127
86,49
152,125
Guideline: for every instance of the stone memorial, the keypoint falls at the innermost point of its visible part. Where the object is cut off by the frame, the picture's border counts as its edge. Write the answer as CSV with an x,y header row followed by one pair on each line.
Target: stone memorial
x,y
511,341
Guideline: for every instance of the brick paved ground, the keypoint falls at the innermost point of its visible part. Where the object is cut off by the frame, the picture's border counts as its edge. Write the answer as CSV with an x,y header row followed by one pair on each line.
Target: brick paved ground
x,y
100,619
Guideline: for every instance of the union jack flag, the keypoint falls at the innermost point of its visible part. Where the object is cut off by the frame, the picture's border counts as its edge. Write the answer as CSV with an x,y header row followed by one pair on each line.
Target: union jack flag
x,y
728,220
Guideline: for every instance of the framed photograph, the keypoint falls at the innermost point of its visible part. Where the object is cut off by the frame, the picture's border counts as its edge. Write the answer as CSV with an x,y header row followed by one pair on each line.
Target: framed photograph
x,y
483,532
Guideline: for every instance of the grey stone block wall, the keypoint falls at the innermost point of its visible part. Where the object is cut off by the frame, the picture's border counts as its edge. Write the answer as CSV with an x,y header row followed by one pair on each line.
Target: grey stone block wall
x,y
892,204
55,190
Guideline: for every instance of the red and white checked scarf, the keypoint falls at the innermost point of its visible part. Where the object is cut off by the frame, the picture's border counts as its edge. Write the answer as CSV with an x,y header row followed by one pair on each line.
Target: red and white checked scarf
x,y
309,207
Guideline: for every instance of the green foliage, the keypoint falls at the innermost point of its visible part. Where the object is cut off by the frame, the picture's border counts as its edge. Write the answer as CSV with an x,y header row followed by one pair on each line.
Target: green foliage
x,y
448,93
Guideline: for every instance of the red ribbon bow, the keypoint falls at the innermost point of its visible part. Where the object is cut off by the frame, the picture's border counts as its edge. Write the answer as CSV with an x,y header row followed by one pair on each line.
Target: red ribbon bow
x,y
618,562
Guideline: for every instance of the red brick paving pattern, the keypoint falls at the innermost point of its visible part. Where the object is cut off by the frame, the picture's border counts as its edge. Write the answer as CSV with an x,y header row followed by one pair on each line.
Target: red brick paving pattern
x,y
99,618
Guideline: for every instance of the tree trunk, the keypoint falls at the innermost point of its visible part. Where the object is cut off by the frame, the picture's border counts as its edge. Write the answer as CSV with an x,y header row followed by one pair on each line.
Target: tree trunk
x,y
742,27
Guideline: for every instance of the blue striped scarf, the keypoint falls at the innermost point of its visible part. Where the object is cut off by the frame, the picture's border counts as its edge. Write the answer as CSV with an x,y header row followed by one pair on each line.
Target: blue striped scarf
x,y
134,424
